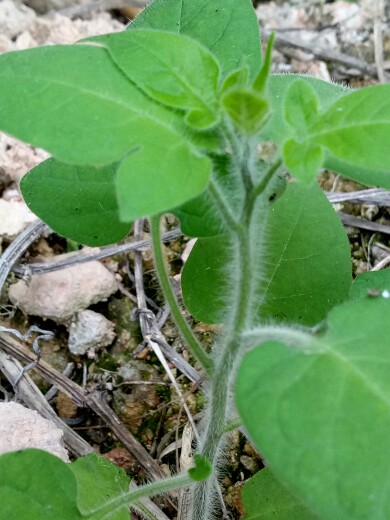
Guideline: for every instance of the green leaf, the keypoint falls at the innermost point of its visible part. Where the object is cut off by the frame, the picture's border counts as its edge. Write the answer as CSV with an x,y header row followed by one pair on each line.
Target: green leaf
x,y
321,417
173,69
98,482
229,29
372,282
303,160
161,174
78,202
75,102
247,109
203,279
356,128
308,266
200,217
301,107
306,270
237,78
261,81
35,485
202,469
278,129
266,498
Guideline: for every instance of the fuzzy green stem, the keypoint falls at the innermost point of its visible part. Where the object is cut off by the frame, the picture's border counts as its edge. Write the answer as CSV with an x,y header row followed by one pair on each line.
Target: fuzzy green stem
x,y
259,189
291,337
246,238
224,209
193,344
133,497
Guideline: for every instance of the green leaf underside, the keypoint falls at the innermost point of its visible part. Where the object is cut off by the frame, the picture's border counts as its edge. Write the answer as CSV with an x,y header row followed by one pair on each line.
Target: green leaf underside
x,y
301,107
247,109
35,485
75,102
277,129
200,217
321,416
355,130
159,175
370,282
307,264
173,69
231,32
78,202
303,160
266,498
98,482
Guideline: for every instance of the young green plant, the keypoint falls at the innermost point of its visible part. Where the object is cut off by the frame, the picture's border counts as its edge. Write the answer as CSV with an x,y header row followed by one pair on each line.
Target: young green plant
x,y
180,114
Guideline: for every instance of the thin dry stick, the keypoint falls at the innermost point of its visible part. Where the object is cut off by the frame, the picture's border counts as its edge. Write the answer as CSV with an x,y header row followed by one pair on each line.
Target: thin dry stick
x,y
378,40
148,320
90,254
85,8
375,196
361,223
323,54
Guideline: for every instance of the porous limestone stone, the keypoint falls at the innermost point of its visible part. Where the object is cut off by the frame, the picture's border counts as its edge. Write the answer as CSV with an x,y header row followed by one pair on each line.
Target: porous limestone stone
x,y
90,330
22,428
59,295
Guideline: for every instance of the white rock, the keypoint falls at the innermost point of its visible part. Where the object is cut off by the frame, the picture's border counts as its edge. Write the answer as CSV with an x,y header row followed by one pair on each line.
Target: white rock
x,y
14,18
22,428
90,330
14,217
61,294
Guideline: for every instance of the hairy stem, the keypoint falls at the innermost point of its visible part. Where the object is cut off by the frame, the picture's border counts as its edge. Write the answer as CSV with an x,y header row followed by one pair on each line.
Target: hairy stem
x,y
133,497
193,344
218,411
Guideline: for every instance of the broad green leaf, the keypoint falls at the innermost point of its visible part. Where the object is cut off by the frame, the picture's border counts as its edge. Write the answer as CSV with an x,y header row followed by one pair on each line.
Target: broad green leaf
x,y
75,102
78,202
35,485
306,268
247,109
230,29
308,265
372,282
303,160
98,482
321,417
199,217
159,175
266,498
203,279
356,128
301,107
173,69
